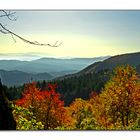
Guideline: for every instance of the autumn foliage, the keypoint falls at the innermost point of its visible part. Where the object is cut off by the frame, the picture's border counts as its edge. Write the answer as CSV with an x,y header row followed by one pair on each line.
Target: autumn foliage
x,y
117,107
45,105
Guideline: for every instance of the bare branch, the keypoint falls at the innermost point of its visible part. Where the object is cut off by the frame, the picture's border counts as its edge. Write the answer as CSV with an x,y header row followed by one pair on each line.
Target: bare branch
x,y
6,31
10,15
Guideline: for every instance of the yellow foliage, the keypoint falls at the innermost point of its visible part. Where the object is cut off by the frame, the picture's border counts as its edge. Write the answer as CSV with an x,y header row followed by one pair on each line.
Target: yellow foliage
x,y
118,104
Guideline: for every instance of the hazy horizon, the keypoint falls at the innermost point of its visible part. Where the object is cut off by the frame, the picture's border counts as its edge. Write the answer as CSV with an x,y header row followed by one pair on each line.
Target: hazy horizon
x,y
84,34
34,56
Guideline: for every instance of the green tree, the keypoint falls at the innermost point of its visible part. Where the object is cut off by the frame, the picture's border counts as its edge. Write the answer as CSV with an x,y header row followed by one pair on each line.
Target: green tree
x,y
25,119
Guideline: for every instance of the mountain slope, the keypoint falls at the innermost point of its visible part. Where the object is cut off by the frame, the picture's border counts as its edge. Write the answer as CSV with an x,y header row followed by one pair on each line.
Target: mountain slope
x,y
132,59
11,78
109,64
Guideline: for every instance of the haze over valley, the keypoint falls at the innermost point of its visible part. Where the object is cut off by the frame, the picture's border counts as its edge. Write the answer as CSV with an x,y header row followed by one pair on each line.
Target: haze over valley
x,y
50,68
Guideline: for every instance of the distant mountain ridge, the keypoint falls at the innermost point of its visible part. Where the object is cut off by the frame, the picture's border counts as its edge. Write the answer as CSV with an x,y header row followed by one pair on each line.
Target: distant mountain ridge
x,y
11,78
15,72
54,66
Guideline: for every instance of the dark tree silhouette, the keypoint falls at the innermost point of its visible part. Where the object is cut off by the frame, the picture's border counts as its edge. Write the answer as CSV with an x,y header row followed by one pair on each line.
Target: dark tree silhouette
x,y
11,16
7,121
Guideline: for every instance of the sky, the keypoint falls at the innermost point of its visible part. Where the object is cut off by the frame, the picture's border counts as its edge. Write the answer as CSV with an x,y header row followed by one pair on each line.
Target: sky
x,y
82,33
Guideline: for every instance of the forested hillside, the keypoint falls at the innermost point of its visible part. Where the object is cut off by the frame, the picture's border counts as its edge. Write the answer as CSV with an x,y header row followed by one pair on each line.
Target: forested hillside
x,y
79,86
115,107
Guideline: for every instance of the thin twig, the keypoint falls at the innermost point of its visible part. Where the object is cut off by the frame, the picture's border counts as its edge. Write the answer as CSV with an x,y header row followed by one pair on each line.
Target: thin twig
x,y
13,38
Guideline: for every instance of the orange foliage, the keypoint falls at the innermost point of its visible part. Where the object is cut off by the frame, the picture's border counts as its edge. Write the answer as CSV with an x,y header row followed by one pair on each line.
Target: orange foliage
x,y
30,96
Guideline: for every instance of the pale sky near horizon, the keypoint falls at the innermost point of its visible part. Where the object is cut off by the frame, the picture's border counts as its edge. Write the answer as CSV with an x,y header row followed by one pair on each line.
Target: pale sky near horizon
x,y
82,33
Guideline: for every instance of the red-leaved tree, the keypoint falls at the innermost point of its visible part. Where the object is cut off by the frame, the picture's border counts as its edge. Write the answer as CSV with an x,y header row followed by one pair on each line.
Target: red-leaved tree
x,y
46,105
